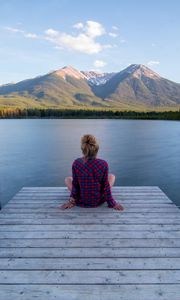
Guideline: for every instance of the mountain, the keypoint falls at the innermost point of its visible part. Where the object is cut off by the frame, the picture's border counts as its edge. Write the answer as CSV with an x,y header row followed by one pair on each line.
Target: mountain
x,y
139,85
136,87
66,86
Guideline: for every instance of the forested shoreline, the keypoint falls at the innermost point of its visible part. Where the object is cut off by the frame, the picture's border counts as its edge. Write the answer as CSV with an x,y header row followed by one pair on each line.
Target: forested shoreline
x,y
30,113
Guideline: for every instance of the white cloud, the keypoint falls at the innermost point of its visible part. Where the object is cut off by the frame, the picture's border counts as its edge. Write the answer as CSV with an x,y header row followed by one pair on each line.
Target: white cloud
x,y
113,34
115,28
122,41
30,35
94,29
84,41
153,62
91,28
12,29
78,25
24,33
51,33
99,63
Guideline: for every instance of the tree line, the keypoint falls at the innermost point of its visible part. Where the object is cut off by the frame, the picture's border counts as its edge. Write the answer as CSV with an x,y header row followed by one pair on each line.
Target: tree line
x,y
21,113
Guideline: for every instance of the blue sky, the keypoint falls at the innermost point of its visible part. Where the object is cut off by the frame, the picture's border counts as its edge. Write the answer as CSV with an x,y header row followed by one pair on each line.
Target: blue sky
x,y
39,36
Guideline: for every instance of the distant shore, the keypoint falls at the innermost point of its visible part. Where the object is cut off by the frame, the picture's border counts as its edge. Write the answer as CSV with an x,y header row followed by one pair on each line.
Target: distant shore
x,y
33,113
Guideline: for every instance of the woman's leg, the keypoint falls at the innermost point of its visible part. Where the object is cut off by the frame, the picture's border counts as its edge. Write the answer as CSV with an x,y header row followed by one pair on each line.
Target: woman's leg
x,y
111,179
69,204
68,182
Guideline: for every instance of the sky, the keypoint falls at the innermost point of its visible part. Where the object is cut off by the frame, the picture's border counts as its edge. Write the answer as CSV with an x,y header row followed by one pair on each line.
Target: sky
x,y
39,36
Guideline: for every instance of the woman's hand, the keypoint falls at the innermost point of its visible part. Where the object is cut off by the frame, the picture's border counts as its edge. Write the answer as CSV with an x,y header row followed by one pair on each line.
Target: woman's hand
x,y
118,206
68,204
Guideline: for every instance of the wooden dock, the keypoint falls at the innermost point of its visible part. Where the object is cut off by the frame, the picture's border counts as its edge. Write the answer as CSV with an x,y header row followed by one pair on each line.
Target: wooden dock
x,y
90,253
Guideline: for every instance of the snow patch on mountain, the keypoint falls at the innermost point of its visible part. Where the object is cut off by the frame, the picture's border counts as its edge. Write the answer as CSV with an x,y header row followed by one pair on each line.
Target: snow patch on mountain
x,y
97,78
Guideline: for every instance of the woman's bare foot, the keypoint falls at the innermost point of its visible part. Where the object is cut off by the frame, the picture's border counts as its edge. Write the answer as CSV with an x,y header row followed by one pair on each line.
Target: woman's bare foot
x,y
68,204
118,206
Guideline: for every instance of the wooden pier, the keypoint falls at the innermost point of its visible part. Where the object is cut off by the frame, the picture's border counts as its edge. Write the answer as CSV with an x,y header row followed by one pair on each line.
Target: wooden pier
x,y
90,253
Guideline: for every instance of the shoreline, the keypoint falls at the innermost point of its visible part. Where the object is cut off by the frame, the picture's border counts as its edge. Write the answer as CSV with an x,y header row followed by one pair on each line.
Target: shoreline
x,y
67,113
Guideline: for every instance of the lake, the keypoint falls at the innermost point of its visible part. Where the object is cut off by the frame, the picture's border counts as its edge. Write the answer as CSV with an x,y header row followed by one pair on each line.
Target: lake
x,y
40,152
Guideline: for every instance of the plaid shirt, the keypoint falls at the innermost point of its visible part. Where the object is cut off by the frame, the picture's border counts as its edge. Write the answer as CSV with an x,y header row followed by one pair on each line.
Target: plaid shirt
x,y
90,185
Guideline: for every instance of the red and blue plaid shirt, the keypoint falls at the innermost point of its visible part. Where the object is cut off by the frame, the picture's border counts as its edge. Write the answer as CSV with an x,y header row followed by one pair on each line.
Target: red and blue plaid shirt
x,y
90,185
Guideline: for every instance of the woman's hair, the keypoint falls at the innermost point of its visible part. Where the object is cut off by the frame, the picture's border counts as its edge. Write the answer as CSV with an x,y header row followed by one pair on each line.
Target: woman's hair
x,y
89,146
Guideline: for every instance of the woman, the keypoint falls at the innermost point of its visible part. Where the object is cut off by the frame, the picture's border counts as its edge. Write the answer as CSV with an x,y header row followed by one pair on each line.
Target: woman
x,y
90,185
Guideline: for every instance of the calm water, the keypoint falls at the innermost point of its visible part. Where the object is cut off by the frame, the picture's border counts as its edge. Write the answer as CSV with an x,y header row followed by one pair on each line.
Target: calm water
x,y
40,152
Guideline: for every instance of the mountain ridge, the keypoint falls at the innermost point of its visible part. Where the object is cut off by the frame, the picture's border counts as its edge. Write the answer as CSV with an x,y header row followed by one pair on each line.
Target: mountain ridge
x,y
135,86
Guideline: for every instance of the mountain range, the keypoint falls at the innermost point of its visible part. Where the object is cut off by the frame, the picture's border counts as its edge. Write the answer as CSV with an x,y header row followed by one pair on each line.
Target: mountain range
x,y
136,87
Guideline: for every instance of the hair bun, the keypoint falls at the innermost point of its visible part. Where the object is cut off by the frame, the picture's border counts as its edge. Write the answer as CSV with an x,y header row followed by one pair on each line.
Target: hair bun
x,y
90,140
89,146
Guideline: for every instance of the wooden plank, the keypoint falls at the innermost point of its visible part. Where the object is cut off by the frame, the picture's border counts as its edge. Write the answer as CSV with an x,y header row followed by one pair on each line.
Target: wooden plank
x,y
89,277
126,206
82,220
65,198
91,292
64,195
55,203
58,203
117,198
100,210
48,195
94,215
57,198
90,234
125,193
90,252
114,191
90,243
90,227
114,187
90,263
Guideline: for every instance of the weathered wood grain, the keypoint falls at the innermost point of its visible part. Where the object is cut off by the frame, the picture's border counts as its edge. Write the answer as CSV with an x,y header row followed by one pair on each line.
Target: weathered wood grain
x,y
91,227
91,234
90,243
90,252
89,292
103,209
20,220
69,215
90,277
94,263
